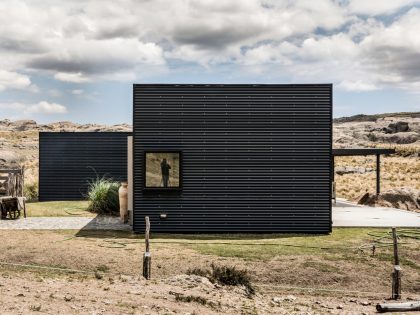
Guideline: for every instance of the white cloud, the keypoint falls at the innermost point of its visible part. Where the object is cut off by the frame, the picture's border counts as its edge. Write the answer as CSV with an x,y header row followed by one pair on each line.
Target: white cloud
x,y
77,92
367,56
379,7
344,42
77,77
357,86
55,93
45,108
393,52
42,107
14,106
13,80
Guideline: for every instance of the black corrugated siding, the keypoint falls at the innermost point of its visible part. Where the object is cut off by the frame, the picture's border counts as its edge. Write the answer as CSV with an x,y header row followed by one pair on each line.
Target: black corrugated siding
x,y
68,160
256,158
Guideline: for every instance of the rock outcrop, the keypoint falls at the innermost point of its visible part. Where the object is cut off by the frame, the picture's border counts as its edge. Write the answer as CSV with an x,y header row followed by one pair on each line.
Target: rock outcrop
x,y
341,170
387,130
400,126
31,125
401,198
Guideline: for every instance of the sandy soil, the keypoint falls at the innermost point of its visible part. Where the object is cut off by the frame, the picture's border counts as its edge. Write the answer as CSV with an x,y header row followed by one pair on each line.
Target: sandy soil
x,y
25,293
109,282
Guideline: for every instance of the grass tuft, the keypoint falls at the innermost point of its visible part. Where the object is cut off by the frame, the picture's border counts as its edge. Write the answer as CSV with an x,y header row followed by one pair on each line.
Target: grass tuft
x,y
103,196
30,191
191,298
226,275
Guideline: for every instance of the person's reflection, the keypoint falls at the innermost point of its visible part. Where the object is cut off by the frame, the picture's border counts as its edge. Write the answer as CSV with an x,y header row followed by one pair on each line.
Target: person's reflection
x,y
165,167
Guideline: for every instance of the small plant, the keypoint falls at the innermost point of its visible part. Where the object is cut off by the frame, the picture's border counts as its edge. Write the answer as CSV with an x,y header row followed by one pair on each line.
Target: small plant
x,y
191,298
232,276
225,275
102,268
35,308
30,191
103,196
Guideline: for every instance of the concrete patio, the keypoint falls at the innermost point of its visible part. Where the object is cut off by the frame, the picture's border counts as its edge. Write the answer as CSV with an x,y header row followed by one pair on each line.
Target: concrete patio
x,y
344,214
347,214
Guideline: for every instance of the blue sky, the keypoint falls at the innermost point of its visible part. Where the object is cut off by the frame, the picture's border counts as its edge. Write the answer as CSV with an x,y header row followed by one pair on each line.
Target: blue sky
x,y
77,61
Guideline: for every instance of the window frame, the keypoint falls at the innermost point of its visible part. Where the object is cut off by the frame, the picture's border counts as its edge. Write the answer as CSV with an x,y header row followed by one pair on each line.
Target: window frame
x,y
163,189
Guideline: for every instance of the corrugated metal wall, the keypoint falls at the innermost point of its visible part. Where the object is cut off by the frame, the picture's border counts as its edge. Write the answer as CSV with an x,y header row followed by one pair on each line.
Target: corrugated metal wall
x,y
256,158
67,160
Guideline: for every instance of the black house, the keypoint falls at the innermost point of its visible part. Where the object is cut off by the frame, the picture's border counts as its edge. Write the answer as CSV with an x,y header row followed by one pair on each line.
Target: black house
x,y
68,161
232,158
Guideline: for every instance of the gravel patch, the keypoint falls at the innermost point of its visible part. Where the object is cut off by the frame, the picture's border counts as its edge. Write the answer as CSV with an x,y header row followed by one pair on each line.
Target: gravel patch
x,y
65,223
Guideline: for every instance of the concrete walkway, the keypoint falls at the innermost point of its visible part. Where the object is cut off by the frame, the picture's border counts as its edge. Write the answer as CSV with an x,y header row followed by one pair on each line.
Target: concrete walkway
x,y
346,214
64,223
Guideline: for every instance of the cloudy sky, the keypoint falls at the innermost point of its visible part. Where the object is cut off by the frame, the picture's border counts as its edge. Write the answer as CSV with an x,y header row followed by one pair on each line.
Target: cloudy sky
x,y
76,60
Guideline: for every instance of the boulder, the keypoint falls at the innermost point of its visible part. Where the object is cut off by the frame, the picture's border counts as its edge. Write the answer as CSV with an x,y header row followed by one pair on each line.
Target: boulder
x,y
398,138
400,126
23,125
9,157
341,170
402,198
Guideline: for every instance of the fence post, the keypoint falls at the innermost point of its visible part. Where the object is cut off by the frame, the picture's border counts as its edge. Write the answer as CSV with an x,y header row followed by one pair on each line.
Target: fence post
x,y
147,259
396,274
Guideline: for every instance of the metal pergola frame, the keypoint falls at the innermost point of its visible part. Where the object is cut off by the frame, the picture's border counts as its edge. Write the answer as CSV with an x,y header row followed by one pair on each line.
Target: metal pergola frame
x,y
362,152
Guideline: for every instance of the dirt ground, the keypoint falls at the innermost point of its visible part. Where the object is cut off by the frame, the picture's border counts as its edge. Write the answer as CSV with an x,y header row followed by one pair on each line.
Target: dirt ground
x,y
133,295
106,268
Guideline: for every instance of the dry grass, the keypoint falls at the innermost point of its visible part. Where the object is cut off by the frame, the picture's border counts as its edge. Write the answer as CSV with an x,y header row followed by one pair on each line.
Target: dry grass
x,y
58,209
404,150
395,172
307,264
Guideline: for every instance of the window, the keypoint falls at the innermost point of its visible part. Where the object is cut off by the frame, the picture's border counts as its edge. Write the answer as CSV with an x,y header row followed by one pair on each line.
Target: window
x,y
162,170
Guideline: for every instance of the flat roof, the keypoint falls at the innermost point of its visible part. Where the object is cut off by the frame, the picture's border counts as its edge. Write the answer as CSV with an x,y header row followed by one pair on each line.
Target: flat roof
x,y
361,151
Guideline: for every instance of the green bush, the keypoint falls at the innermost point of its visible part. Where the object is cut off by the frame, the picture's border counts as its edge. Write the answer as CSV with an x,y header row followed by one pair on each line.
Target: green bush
x,y
103,196
30,191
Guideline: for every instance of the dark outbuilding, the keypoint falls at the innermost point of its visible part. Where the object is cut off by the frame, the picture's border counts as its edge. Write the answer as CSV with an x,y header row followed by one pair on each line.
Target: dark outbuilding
x,y
232,158
69,160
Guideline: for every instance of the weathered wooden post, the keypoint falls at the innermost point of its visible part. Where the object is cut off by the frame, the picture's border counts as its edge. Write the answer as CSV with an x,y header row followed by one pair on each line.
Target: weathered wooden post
x,y
396,274
147,259
398,307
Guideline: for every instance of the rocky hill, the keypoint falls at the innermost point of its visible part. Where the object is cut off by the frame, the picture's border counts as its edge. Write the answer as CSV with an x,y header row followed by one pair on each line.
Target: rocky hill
x,y
401,131
19,139
31,125
375,117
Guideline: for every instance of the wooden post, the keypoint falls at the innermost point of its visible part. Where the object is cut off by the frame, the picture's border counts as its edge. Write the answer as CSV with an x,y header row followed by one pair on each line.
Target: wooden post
x,y
147,259
398,307
378,174
396,274
334,192
23,191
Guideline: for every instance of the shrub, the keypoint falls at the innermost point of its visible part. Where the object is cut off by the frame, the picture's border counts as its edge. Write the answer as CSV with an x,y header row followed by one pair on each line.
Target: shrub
x,y
225,275
103,196
232,276
30,191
